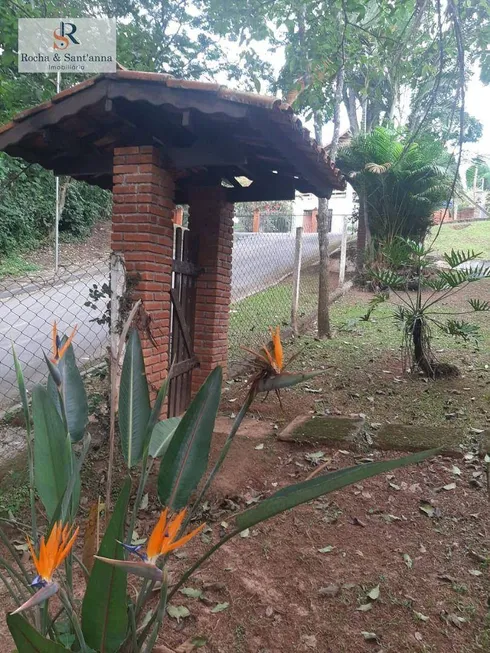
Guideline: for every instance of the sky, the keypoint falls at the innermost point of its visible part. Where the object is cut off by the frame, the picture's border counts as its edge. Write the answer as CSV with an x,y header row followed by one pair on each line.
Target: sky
x,y
477,102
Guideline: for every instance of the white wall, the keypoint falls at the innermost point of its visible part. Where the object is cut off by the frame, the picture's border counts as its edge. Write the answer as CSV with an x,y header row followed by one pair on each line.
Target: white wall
x,y
341,203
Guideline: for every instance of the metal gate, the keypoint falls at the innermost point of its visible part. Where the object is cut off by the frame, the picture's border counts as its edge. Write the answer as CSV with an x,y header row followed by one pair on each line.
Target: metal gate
x,y
183,295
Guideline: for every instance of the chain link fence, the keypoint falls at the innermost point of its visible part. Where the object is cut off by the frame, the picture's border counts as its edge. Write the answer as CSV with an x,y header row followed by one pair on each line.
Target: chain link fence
x,y
262,296
263,284
30,304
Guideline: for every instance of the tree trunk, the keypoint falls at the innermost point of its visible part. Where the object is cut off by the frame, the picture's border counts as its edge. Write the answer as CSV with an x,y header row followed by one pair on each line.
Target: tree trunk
x,y
323,281
323,217
322,222
339,93
350,104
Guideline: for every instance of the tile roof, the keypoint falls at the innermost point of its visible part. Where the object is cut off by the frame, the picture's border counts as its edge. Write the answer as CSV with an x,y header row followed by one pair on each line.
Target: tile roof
x,y
221,92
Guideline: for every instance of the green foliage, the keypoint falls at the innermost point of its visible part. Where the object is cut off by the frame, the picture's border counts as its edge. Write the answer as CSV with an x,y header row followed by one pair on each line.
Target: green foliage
x,y
479,305
27,199
403,182
85,205
161,436
70,397
417,315
52,451
478,174
104,607
295,495
134,402
27,639
462,329
186,458
14,265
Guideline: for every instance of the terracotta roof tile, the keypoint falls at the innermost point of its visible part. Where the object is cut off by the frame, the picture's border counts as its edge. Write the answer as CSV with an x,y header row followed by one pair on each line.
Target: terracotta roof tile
x,y
142,75
75,89
252,99
192,85
30,112
7,126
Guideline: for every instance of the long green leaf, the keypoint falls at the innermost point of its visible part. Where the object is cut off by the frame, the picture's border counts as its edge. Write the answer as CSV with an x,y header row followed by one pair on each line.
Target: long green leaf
x,y
104,607
156,410
23,393
52,451
186,458
161,436
134,402
285,380
294,495
65,377
74,395
30,448
27,639
71,498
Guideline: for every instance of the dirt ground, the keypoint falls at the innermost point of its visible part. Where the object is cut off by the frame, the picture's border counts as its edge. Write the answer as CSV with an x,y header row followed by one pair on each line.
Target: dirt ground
x,y
77,255
396,564
285,594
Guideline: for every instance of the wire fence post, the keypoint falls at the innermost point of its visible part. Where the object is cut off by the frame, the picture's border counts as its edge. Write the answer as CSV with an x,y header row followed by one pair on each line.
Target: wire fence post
x,y
57,202
296,278
343,253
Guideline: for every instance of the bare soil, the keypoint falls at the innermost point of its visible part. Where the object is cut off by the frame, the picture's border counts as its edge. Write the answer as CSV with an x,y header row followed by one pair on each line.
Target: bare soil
x,y
429,598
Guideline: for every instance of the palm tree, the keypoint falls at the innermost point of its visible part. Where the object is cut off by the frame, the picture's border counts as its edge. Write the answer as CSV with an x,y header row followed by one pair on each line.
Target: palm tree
x,y
400,183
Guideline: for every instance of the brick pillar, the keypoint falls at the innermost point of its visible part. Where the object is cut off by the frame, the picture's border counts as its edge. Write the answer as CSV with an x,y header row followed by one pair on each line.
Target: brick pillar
x,y
142,232
211,220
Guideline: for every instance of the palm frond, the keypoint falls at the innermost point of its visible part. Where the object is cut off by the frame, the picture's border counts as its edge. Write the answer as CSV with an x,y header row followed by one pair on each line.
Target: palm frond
x,y
479,305
459,256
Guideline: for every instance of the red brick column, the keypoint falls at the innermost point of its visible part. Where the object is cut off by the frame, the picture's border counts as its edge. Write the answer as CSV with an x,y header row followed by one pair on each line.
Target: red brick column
x,y
211,219
142,232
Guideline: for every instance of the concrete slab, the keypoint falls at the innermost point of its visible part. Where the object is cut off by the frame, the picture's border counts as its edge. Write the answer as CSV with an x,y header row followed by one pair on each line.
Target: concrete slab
x,y
322,429
403,437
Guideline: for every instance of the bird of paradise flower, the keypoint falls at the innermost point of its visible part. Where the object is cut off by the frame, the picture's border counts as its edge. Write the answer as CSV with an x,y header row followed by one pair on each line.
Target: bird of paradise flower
x,y
270,368
58,346
52,552
163,540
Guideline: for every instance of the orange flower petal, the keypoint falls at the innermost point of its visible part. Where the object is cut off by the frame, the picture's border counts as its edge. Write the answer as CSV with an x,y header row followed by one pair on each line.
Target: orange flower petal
x,y
278,351
269,357
54,341
53,551
183,540
63,349
63,552
33,555
154,543
174,525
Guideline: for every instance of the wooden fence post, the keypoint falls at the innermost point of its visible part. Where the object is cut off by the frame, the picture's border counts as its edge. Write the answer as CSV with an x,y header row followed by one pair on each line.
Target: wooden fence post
x,y
343,253
296,278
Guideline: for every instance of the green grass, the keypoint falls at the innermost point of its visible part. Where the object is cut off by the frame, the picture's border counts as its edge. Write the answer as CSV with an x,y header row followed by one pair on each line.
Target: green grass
x,y
251,317
14,492
360,353
14,265
474,235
